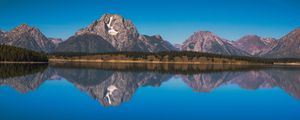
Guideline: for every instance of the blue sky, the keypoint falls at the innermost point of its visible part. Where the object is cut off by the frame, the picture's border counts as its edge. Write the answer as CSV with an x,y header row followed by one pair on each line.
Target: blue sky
x,y
175,20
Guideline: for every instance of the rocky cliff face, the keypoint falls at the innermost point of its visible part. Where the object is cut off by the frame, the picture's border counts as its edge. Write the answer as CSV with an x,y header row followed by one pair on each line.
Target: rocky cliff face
x,y
255,45
27,37
287,47
207,42
123,35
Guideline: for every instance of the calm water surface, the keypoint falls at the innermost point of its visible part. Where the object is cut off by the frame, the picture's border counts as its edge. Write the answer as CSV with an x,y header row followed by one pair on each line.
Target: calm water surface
x,y
147,91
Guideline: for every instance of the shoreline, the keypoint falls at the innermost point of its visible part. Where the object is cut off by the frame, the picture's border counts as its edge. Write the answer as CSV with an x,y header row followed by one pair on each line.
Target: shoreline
x,y
290,64
147,62
141,62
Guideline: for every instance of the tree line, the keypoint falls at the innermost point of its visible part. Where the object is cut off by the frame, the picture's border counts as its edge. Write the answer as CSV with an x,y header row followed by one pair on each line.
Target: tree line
x,y
173,55
15,54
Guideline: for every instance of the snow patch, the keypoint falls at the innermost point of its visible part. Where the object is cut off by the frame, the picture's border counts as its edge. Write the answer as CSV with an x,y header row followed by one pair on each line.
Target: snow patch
x,y
110,90
111,30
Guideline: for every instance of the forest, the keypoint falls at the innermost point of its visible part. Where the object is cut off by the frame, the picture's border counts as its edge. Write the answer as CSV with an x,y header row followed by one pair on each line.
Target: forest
x,y
170,56
15,54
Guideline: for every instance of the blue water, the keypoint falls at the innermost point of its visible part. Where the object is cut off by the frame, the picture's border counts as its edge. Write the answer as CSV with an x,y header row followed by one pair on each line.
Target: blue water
x,y
63,97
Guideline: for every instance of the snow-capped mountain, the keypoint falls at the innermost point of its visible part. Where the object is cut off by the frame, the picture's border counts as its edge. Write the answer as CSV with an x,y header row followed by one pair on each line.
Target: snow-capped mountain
x,y
124,36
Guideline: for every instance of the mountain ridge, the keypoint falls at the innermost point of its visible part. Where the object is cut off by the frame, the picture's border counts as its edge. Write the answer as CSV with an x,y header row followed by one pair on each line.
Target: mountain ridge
x,y
206,41
287,47
124,36
27,37
255,45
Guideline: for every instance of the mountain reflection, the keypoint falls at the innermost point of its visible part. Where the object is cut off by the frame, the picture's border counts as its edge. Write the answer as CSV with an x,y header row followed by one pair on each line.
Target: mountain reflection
x,y
113,84
23,77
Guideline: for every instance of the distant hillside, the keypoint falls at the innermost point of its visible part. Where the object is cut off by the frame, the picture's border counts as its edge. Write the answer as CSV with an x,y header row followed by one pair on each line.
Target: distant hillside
x,y
15,54
85,43
255,45
208,42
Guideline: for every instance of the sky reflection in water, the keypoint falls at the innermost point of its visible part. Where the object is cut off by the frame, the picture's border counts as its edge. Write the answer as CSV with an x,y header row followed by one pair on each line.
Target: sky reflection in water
x,y
80,92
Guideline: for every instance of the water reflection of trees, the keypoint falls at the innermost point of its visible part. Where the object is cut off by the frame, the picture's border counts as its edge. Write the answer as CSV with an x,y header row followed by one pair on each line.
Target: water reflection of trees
x,y
15,70
161,68
23,77
97,79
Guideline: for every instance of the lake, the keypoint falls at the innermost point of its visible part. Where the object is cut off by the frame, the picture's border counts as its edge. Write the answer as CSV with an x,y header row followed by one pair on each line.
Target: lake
x,y
148,91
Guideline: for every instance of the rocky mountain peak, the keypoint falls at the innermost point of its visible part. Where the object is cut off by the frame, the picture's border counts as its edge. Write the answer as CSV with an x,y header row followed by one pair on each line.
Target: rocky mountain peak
x,y
111,25
28,30
204,33
208,36
205,41
287,47
249,39
255,45
201,40
28,37
121,33
23,28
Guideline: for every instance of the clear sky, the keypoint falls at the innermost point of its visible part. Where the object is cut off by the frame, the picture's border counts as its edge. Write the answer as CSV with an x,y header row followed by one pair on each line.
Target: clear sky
x,y
175,20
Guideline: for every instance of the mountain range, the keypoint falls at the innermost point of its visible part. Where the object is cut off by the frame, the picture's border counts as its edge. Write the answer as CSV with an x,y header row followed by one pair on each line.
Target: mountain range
x,y
113,33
